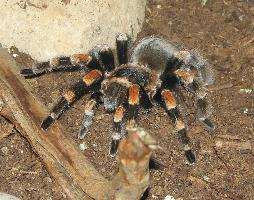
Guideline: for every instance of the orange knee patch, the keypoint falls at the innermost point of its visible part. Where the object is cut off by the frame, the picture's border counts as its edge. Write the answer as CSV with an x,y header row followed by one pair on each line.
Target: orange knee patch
x,y
118,116
185,75
134,95
181,55
69,96
92,76
169,99
179,125
80,58
90,106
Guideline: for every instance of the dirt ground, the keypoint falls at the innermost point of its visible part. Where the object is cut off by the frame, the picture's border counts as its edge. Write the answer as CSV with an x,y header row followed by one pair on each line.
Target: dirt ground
x,y
222,31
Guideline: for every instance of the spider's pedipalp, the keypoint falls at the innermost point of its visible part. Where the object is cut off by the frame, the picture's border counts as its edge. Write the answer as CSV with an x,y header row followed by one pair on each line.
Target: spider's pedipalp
x,y
170,105
122,48
89,112
81,87
118,130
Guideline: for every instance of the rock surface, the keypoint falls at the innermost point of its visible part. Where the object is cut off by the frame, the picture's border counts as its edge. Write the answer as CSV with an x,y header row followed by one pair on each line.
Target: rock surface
x,y
50,28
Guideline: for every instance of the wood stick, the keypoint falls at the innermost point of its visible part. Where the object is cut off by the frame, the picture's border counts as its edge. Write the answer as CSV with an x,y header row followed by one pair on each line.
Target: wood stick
x,y
60,155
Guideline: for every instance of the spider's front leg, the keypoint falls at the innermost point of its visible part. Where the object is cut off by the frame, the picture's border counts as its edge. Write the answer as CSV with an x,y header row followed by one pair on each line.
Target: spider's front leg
x,y
170,105
80,88
122,48
63,63
132,110
133,102
118,130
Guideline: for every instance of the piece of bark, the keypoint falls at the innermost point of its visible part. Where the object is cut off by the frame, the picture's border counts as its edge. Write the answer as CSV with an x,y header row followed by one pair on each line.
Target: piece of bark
x,y
61,156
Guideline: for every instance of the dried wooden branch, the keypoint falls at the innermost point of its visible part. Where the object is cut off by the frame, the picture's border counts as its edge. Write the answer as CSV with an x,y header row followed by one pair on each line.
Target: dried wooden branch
x,y
61,156
133,177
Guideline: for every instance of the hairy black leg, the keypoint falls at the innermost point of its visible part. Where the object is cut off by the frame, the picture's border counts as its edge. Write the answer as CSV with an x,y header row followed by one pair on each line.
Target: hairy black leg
x,y
170,105
133,102
196,87
122,48
106,58
203,108
81,87
118,131
194,80
73,63
89,112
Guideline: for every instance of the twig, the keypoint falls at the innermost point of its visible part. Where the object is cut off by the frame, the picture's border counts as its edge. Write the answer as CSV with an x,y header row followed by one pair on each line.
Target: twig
x,y
221,87
224,192
248,42
238,145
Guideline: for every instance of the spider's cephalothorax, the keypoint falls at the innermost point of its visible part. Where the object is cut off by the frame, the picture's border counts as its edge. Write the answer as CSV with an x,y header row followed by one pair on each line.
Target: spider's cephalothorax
x,y
151,75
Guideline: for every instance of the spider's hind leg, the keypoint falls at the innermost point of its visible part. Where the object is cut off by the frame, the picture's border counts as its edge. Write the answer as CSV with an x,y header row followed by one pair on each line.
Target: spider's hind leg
x,y
192,80
170,105
63,63
202,104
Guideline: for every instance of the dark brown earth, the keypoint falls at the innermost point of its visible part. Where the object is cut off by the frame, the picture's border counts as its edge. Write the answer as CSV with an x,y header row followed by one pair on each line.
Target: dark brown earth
x,y
221,30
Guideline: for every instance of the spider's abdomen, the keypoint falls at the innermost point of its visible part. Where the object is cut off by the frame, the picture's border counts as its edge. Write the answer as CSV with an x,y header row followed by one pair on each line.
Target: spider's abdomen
x,y
153,52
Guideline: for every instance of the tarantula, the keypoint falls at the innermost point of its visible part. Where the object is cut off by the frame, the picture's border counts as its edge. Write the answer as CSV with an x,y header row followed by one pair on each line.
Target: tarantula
x,y
150,76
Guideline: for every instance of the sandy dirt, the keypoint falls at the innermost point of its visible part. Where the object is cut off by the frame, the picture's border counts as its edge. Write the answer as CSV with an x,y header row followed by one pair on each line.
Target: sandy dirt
x,y
222,31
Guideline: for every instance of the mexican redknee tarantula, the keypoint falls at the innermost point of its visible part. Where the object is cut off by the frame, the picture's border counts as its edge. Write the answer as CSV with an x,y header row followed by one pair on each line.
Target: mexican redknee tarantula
x,y
150,76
